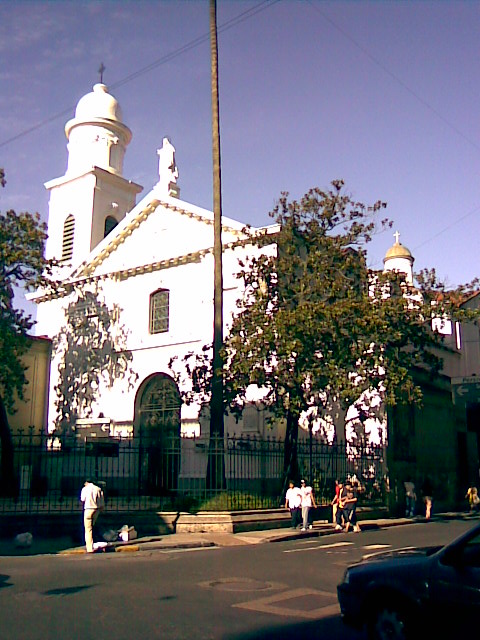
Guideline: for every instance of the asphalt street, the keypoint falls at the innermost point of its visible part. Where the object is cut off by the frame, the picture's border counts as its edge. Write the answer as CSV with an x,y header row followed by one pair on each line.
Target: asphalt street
x,y
282,590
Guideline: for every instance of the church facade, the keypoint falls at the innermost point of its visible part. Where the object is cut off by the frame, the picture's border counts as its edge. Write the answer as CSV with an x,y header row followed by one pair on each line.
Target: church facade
x,y
135,284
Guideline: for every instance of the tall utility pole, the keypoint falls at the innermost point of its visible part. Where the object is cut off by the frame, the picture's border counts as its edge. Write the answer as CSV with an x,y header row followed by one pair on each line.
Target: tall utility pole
x,y
216,404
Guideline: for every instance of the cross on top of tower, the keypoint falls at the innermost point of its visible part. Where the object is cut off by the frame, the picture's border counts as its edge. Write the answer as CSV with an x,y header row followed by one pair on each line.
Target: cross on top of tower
x,y
101,69
396,235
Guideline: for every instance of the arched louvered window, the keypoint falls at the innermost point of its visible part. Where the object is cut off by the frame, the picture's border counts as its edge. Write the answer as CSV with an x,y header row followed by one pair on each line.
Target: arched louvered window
x,y
110,224
159,311
68,237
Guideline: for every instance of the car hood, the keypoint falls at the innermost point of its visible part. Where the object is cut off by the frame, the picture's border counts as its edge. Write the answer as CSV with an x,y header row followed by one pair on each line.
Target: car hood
x,y
405,553
408,565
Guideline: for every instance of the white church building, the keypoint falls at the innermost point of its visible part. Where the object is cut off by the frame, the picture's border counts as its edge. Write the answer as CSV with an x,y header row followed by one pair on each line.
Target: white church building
x,y
135,285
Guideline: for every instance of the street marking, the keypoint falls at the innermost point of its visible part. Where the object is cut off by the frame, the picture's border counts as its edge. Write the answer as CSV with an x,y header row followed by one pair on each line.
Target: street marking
x,y
377,546
278,604
187,550
321,546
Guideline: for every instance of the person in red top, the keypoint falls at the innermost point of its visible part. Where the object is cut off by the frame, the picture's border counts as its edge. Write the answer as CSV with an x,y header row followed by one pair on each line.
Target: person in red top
x,y
334,502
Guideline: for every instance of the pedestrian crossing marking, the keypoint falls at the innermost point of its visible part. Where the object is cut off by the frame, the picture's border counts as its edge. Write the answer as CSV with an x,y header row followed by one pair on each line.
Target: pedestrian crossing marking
x,y
320,546
279,604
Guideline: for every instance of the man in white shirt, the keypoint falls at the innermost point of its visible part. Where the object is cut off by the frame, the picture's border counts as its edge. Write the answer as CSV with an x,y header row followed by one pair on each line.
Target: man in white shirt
x,y
93,502
308,501
293,501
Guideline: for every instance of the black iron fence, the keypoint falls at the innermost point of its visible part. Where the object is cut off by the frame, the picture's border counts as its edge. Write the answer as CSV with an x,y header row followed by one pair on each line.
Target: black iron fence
x,y
172,474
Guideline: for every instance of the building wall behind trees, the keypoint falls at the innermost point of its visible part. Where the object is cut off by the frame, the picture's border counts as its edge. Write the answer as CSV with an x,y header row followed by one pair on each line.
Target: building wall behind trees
x,y
426,442
31,410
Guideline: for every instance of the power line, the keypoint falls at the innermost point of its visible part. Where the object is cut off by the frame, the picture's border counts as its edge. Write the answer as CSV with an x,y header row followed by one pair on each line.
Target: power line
x,y
229,24
426,104
403,84
233,22
439,233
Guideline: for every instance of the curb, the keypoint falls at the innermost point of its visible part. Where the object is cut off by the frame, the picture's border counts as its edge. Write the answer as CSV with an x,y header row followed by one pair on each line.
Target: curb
x,y
366,525
128,549
146,546
150,546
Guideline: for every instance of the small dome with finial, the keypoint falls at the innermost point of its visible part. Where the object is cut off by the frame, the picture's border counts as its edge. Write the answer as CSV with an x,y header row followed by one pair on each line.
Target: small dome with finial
x,y
397,250
399,258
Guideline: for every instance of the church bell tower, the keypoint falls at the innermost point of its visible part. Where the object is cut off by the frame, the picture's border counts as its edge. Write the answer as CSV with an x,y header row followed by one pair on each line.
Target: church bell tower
x,y
93,196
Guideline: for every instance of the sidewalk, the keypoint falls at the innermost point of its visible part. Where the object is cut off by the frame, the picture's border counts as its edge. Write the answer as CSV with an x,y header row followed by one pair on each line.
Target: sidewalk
x,y
180,541
199,540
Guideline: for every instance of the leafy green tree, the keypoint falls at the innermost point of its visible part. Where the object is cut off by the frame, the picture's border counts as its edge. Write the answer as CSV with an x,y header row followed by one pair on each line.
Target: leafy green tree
x,y
316,330
22,265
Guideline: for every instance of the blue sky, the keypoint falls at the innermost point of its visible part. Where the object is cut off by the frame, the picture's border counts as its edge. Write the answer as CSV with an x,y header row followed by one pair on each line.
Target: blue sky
x,y
382,94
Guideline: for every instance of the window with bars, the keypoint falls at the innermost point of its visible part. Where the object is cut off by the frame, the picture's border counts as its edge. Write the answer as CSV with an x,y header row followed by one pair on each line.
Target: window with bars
x,y
68,237
159,311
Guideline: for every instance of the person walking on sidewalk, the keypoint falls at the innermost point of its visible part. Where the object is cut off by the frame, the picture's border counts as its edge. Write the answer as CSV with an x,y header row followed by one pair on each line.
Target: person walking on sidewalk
x,y
334,503
93,502
347,508
293,501
473,499
410,498
427,492
308,501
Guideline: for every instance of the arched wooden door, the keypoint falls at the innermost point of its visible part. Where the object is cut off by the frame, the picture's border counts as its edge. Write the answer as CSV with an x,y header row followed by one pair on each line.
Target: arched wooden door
x,y
158,426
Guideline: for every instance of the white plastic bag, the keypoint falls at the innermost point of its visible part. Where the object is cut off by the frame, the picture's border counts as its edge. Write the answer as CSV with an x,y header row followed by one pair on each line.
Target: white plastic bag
x,y
23,540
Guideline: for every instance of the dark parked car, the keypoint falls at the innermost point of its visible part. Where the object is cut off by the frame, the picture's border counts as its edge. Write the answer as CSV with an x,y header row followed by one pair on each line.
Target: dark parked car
x,y
416,591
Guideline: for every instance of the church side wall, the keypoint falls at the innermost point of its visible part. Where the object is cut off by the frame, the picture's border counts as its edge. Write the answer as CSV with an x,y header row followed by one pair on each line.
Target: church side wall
x,y
425,444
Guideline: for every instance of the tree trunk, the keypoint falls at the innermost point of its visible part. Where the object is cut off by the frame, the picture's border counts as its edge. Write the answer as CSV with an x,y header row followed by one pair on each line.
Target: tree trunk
x,y
290,458
7,471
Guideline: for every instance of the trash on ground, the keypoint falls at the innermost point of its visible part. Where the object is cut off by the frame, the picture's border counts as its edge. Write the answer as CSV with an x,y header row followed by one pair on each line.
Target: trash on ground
x,y
23,540
127,533
110,535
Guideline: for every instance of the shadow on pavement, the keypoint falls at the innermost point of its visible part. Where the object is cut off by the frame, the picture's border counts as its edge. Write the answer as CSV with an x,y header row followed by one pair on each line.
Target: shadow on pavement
x,y
68,591
3,581
40,546
324,629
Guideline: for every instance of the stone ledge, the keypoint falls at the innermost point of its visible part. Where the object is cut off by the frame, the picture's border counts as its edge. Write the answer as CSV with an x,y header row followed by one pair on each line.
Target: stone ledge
x,y
232,521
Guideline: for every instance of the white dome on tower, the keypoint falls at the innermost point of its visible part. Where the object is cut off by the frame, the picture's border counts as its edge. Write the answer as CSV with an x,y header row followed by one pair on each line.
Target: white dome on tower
x,y
99,104
97,136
